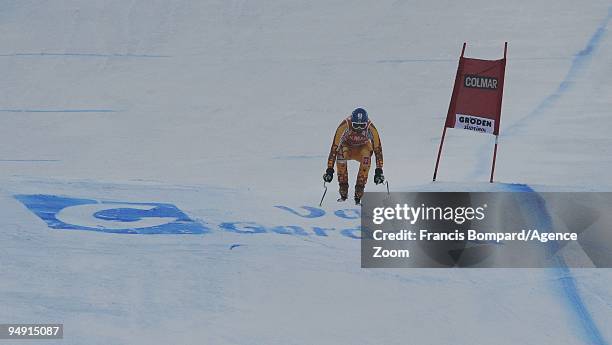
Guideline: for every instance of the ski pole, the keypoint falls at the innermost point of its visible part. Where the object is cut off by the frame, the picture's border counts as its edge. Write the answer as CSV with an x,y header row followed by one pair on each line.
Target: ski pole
x,y
324,192
386,199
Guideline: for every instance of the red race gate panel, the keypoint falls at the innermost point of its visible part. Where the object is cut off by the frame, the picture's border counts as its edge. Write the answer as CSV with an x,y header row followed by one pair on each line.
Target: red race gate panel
x,y
477,95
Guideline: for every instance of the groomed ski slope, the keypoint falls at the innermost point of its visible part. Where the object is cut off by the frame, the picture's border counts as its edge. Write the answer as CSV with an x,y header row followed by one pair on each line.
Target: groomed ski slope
x,y
225,111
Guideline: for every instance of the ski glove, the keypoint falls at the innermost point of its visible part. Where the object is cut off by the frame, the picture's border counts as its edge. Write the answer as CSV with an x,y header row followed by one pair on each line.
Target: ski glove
x,y
329,175
378,176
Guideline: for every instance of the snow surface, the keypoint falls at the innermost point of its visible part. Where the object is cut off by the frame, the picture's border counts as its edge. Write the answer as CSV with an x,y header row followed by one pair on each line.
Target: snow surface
x,y
226,109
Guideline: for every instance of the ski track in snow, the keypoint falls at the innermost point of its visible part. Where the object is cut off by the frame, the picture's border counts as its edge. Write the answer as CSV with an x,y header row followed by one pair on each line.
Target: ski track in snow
x,y
86,55
567,281
533,204
58,110
579,63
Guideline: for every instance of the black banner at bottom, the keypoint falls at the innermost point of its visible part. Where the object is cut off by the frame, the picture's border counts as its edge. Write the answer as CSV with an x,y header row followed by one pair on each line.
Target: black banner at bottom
x,y
486,229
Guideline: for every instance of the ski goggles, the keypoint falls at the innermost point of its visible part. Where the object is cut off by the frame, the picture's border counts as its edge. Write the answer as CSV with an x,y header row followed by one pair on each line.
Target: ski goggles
x,y
359,125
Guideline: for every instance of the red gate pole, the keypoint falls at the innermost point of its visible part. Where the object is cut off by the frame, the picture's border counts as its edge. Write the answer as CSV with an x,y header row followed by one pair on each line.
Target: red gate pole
x,y
500,102
439,152
494,156
450,106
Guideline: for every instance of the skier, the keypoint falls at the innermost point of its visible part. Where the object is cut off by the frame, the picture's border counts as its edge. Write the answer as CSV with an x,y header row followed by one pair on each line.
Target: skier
x,y
355,139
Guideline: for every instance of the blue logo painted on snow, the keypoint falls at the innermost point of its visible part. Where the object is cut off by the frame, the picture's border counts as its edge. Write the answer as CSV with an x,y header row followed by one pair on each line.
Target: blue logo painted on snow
x,y
110,216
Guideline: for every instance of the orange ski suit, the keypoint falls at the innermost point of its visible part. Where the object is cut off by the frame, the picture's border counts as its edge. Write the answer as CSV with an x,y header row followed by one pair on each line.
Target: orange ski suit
x,y
358,145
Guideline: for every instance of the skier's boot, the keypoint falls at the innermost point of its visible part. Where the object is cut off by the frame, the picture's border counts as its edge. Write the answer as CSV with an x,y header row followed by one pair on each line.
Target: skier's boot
x,y
359,193
343,191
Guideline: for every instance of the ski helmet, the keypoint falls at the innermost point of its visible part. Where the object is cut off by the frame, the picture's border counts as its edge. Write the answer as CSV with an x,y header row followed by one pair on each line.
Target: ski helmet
x,y
359,118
